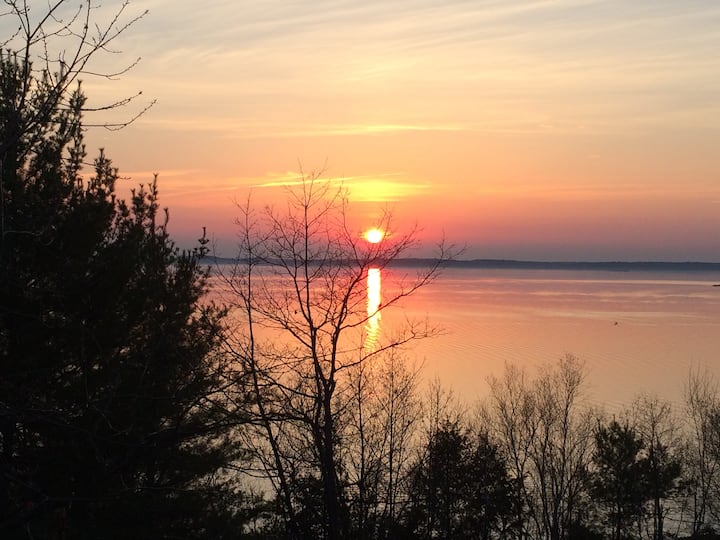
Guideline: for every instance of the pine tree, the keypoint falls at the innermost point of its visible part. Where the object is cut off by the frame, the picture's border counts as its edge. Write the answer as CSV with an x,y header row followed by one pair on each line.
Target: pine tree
x,y
460,487
110,425
620,478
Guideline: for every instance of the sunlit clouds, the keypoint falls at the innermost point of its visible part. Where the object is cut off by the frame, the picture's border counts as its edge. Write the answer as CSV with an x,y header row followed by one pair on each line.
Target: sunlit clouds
x,y
611,57
372,188
439,108
382,190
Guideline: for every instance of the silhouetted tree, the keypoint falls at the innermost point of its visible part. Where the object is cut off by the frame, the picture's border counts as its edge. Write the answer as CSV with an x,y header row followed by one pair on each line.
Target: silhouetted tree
x,y
301,279
460,487
546,435
655,424
702,458
490,490
52,48
620,476
378,441
110,369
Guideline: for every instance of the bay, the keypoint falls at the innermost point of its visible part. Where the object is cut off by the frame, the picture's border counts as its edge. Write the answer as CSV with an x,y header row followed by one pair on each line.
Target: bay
x,y
637,332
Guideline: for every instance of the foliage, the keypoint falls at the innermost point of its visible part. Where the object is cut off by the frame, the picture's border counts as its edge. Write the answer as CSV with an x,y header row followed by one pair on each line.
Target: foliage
x,y
655,424
121,417
460,487
108,419
620,477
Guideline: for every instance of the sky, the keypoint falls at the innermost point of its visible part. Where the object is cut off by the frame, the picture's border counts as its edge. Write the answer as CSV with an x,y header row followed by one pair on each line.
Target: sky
x,y
522,129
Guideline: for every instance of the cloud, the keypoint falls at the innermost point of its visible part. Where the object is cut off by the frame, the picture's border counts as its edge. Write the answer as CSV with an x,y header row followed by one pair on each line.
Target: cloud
x,y
336,68
383,187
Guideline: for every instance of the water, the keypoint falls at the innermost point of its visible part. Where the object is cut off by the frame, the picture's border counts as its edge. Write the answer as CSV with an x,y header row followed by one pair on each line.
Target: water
x,y
637,332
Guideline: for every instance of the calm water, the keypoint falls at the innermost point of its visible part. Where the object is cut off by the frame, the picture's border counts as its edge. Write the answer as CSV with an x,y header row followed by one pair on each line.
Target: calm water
x,y
636,331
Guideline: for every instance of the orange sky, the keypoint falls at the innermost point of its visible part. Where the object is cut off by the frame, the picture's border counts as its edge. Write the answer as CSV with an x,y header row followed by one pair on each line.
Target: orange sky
x,y
527,129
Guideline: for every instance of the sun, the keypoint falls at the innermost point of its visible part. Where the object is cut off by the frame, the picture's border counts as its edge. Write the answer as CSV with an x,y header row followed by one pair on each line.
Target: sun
x,y
374,235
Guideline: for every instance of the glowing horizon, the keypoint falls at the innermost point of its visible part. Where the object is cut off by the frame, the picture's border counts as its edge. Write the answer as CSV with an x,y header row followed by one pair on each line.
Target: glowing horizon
x,y
538,130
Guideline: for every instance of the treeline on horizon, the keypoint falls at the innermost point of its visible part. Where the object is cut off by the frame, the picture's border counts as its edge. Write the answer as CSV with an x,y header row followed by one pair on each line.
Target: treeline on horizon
x,y
511,264
132,406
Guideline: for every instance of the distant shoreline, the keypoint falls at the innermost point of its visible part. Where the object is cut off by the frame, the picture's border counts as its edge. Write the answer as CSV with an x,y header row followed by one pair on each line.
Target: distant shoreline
x,y
511,264
612,266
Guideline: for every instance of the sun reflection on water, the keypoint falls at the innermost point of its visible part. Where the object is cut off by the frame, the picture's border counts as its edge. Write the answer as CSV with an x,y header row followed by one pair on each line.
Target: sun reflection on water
x,y
374,299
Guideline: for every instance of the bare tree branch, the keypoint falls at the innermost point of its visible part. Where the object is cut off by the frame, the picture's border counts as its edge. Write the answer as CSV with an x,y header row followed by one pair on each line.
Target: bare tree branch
x,y
301,279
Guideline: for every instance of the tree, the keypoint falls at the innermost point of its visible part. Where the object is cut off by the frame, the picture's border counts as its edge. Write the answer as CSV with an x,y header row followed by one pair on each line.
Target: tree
x,y
109,425
491,489
702,471
655,424
379,436
52,49
438,484
620,476
460,487
510,415
300,297
547,437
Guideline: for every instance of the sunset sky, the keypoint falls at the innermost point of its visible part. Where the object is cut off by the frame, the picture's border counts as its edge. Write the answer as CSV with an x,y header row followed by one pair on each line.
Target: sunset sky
x,y
526,129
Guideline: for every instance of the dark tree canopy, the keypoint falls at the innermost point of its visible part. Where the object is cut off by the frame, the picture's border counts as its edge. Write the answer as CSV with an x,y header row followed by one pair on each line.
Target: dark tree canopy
x,y
621,471
460,488
108,423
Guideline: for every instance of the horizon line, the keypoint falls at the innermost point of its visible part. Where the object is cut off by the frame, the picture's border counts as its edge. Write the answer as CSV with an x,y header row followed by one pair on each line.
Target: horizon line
x,y
535,264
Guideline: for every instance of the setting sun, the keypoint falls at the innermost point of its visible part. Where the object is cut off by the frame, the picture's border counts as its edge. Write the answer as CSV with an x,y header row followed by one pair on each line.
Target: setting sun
x,y
374,235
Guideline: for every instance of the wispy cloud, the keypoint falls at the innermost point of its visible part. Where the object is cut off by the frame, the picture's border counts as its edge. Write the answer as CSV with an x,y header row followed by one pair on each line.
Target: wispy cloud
x,y
382,187
329,68
551,100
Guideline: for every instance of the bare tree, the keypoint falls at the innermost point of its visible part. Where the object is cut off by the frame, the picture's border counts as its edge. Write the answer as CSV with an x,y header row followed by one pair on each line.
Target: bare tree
x,y
563,450
55,46
50,48
299,289
379,435
656,425
510,415
702,471
547,436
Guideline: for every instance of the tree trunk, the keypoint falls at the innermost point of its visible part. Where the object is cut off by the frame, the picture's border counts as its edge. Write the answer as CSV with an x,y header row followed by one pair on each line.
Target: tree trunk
x,y
331,489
